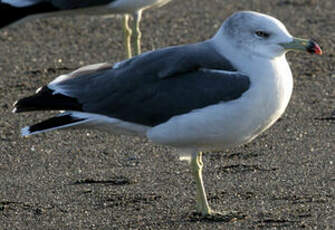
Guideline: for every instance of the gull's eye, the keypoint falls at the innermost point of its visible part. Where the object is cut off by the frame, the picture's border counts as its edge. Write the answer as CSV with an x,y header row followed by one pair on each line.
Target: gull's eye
x,y
262,34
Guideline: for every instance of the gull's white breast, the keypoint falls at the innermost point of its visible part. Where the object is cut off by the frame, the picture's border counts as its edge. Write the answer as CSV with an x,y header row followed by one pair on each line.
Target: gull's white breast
x,y
235,122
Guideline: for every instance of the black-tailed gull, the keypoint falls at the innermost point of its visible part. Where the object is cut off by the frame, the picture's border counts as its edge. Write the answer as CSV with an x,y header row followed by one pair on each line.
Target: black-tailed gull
x,y
199,97
14,10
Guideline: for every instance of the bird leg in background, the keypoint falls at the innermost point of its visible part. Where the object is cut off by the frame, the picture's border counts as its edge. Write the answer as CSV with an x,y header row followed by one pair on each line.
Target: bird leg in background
x,y
201,199
137,31
127,35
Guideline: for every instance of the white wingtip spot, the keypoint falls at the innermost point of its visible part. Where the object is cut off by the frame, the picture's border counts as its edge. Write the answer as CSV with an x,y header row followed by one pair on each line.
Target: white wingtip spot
x,y
25,131
38,90
14,110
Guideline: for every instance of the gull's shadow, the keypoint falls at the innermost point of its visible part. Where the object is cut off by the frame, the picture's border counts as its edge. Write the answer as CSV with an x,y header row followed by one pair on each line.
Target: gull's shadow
x,y
216,217
115,181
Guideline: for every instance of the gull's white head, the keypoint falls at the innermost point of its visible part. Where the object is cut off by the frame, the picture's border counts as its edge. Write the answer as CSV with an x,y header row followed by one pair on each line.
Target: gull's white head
x,y
260,35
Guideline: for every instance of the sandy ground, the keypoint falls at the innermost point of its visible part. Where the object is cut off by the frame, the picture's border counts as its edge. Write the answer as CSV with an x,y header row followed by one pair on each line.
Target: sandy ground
x,y
85,179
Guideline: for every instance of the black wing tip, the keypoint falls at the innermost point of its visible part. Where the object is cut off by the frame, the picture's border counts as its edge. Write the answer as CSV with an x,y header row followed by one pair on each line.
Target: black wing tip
x,y
19,107
27,104
57,122
46,99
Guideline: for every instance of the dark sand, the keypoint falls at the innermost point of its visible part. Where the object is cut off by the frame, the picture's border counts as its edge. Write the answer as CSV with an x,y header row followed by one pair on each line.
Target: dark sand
x,y
85,179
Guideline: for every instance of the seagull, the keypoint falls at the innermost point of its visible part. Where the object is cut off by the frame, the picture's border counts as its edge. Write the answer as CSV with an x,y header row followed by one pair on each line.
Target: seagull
x,y
198,97
13,11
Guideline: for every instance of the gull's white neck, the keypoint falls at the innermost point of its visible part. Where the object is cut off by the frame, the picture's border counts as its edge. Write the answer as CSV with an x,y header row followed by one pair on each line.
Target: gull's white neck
x,y
271,81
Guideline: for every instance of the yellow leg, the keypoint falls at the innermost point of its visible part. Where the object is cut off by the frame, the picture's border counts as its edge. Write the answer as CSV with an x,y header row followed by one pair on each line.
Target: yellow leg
x,y
127,35
201,198
137,31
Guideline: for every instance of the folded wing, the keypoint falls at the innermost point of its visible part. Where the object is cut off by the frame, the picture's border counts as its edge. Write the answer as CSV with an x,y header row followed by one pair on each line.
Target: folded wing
x,y
139,95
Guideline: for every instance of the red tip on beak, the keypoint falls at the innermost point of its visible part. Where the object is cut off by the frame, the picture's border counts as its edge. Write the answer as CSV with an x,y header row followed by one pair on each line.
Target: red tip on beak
x,y
314,48
317,49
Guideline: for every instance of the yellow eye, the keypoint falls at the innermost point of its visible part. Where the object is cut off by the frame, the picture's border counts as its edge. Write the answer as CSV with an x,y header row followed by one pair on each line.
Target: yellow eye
x,y
262,34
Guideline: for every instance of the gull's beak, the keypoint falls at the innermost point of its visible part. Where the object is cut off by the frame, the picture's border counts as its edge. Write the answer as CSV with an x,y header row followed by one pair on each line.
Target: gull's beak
x,y
302,44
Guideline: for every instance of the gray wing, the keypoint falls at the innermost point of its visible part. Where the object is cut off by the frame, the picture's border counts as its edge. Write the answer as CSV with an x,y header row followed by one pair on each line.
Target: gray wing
x,y
140,90
174,60
153,101
149,100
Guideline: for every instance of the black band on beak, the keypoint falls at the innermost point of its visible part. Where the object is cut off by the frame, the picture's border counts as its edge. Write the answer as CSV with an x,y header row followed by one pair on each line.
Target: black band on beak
x,y
313,47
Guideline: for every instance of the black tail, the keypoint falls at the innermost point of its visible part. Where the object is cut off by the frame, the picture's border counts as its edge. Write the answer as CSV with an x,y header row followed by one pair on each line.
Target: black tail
x,y
61,121
10,14
46,99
